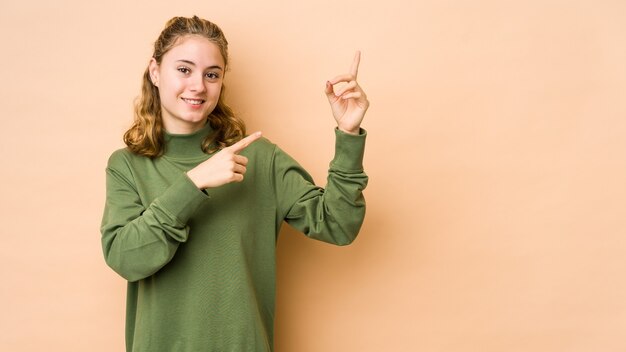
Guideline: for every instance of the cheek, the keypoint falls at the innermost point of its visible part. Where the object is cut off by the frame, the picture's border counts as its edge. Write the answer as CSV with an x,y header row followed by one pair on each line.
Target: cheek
x,y
217,89
170,85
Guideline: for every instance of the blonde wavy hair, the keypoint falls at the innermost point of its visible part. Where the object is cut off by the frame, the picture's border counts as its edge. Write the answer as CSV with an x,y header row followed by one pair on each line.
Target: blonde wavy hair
x,y
146,135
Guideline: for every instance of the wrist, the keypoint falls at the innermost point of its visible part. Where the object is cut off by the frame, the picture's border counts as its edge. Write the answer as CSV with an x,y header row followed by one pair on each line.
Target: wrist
x,y
354,132
191,175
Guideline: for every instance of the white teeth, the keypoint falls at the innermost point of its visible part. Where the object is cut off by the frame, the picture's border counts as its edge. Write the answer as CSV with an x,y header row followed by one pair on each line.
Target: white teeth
x,y
192,101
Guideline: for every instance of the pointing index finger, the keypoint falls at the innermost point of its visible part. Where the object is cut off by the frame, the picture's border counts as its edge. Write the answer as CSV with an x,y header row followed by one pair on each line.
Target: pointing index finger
x,y
354,69
245,142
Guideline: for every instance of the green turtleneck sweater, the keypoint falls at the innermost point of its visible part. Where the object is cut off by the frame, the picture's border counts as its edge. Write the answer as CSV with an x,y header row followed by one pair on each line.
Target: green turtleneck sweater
x,y
201,265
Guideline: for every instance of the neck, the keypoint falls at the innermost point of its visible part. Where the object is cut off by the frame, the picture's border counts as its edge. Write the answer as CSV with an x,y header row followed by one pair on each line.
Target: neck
x,y
180,127
186,145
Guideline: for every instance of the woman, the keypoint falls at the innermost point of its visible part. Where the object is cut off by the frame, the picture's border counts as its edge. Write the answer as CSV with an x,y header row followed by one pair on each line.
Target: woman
x,y
193,207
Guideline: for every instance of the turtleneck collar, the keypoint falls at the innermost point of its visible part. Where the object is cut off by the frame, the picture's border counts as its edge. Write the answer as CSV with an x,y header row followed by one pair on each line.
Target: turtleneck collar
x,y
186,145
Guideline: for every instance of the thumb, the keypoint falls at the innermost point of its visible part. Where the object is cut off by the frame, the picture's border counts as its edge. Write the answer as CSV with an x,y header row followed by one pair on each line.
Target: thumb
x,y
330,93
244,143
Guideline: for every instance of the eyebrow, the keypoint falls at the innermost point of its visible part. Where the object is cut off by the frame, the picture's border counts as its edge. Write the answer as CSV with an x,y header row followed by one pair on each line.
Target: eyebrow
x,y
193,64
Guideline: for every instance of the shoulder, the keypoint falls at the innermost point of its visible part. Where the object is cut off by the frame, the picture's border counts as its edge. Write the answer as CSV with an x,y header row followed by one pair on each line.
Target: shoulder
x,y
268,154
122,159
262,147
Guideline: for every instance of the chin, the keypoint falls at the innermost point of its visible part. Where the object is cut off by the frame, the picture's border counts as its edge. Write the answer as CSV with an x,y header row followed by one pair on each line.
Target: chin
x,y
196,120
195,116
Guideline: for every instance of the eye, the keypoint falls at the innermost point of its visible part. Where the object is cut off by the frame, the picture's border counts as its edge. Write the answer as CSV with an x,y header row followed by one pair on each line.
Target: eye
x,y
183,69
212,75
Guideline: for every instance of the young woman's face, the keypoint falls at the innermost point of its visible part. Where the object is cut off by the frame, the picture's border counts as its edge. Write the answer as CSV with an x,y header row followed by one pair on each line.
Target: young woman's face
x,y
189,79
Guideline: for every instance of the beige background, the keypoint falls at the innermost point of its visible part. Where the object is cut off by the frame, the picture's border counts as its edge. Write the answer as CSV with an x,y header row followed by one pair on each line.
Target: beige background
x,y
496,155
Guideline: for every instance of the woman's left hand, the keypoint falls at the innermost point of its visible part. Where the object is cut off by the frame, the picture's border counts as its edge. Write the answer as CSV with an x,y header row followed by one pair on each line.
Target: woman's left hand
x,y
349,103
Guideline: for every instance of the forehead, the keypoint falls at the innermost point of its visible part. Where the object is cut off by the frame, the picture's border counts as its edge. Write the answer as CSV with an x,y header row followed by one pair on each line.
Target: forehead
x,y
196,49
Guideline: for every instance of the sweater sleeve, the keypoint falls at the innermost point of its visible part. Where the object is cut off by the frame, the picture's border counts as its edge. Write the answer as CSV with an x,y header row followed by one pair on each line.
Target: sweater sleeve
x,y
138,240
334,214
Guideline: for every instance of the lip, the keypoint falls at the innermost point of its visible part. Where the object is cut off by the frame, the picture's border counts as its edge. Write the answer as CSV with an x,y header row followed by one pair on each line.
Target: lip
x,y
195,106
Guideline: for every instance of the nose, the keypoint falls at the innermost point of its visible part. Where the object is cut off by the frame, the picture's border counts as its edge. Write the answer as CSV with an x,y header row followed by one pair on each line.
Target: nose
x,y
196,84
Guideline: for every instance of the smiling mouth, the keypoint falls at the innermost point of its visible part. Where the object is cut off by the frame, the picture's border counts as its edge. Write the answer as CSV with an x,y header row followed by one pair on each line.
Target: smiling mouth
x,y
194,101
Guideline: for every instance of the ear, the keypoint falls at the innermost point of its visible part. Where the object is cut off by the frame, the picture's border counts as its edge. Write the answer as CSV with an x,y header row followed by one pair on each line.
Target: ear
x,y
153,69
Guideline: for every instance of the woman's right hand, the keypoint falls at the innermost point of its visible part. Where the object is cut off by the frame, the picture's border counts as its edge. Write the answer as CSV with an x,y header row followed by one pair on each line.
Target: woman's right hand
x,y
224,167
